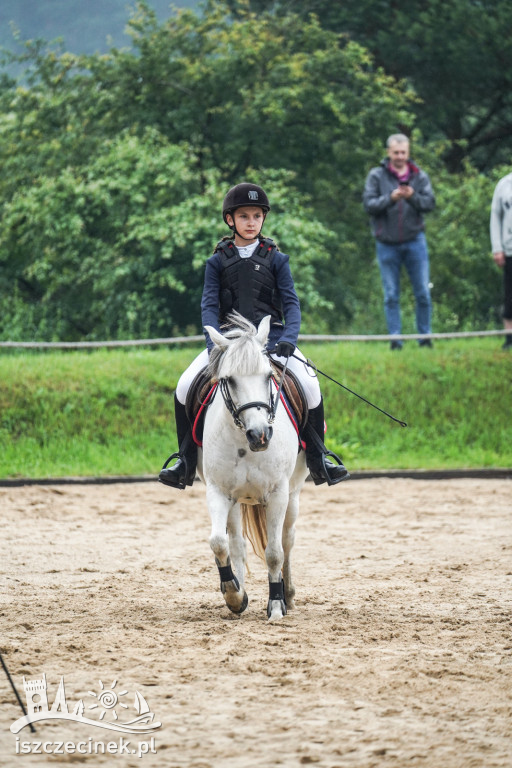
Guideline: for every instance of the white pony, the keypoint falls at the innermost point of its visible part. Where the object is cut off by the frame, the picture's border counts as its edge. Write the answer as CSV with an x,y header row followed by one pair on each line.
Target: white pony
x,y
251,466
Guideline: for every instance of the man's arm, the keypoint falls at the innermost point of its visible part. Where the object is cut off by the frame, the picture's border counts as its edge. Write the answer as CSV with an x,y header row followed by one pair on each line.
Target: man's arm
x,y
374,200
422,197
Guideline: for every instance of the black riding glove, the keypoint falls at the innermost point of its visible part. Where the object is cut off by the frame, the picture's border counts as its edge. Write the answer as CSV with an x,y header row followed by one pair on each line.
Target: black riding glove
x,y
284,349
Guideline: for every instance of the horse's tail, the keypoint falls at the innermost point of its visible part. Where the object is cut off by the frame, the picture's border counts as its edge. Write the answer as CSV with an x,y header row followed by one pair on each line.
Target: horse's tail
x,y
254,524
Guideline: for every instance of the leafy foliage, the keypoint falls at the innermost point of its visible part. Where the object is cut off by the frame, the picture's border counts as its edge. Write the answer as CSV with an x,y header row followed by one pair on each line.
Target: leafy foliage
x,y
115,166
464,291
454,55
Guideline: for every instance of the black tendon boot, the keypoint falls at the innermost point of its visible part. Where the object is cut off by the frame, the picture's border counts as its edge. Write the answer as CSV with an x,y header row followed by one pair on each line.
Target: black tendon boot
x,y
320,468
184,471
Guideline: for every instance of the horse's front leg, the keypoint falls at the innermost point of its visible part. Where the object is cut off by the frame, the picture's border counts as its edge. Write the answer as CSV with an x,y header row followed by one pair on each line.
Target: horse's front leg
x,y
219,507
237,545
292,513
274,553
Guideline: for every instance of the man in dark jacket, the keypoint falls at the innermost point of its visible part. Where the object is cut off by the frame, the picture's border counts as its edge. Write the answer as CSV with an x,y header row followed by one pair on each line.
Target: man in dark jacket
x,y
396,195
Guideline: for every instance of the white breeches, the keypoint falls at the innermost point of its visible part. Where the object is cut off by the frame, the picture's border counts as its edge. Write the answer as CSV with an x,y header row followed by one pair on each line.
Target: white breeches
x,y
305,375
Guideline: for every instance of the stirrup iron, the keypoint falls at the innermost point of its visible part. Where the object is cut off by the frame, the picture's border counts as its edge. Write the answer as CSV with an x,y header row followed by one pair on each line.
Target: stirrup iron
x,y
338,463
181,485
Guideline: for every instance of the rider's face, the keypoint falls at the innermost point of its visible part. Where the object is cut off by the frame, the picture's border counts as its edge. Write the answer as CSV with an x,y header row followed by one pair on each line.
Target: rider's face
x,y
248,222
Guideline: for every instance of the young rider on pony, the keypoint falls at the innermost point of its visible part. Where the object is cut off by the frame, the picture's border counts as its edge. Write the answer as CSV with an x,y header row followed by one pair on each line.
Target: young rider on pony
x,y
248,274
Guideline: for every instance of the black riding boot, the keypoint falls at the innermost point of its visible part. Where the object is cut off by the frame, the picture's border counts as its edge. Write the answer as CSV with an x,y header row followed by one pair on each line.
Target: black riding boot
x,y
320,468
184,471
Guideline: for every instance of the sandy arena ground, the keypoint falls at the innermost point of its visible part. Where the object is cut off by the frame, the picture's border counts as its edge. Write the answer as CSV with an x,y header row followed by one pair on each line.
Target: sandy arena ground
x,y
399,653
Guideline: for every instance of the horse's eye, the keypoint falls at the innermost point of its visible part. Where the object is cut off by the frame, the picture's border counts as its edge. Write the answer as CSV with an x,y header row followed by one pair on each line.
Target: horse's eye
x,y
230,381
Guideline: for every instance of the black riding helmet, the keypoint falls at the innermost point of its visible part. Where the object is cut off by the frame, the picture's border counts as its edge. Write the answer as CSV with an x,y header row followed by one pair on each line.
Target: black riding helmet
x,y
243,195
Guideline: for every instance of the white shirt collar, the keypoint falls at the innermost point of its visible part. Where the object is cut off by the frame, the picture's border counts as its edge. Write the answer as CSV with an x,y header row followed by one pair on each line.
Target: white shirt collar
x,y
246,251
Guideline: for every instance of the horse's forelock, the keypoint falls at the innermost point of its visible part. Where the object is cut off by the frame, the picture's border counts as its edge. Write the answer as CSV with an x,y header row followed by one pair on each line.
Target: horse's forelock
x,y
243,354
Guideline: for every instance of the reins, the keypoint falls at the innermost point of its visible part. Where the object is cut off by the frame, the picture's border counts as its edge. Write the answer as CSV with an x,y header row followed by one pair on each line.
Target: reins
x,y
311,365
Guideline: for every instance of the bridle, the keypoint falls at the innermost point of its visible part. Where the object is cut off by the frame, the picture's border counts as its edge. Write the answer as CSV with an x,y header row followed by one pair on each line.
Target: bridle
x,y
270,406
235,412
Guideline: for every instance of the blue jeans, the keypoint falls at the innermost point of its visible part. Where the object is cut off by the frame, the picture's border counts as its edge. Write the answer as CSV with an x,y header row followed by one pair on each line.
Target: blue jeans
x,y
413,255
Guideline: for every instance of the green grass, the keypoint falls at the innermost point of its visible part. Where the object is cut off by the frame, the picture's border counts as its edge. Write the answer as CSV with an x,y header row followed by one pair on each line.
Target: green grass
x,y
109,412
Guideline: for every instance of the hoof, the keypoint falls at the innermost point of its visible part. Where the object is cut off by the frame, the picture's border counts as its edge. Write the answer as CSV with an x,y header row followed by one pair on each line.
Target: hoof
x,y
276,606
276,609
241,608
235,600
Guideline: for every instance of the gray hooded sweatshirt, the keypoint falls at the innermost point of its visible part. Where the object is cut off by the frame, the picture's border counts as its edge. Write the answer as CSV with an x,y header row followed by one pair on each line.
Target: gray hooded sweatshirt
x,y
501,216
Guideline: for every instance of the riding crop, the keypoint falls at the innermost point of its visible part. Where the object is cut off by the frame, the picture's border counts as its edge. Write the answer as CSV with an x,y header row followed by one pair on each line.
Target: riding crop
x,y
311,365
2,662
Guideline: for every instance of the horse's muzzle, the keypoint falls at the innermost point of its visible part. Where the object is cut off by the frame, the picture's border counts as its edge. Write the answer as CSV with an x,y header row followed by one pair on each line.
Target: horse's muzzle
x,y
259,439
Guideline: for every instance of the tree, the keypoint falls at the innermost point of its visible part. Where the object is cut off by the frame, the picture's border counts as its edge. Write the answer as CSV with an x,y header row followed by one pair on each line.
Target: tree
x,y
456,56
117,250
467,286
115,167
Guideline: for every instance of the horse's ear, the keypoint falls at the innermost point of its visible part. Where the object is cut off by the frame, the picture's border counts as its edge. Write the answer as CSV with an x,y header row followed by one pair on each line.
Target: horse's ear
x,y
217,338
263,330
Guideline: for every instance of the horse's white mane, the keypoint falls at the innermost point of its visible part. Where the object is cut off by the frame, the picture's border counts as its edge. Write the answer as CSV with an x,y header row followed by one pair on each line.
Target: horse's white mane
x,y
242,354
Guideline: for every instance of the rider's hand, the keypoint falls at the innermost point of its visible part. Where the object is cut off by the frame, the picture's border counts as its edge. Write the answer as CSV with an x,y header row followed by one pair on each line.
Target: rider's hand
x,y
284,349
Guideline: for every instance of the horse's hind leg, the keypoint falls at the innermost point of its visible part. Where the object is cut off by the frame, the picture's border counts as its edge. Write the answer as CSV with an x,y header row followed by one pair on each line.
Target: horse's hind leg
x,y
219,508
288,542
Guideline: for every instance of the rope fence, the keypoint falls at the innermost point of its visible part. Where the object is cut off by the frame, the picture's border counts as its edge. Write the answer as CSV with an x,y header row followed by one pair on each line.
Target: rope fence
x,y
195,339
